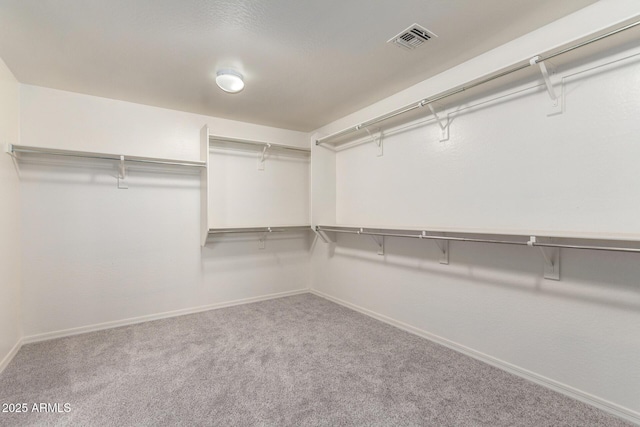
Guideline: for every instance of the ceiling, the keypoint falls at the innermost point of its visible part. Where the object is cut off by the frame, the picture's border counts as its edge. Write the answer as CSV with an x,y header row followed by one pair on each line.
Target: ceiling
x,y
306,63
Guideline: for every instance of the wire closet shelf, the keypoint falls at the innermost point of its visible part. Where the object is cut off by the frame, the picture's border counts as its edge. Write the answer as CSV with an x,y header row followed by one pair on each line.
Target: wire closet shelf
x,y
538,59
460,236
264,145
272,229
16,149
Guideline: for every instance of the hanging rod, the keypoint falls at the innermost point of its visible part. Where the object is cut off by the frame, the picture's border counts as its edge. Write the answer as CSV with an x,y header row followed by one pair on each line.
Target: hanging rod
x,y
13,149
446,94
258,143
425,235
275,229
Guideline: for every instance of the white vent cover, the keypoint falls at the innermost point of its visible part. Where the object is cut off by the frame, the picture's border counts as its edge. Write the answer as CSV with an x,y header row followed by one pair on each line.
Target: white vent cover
x,y
413,37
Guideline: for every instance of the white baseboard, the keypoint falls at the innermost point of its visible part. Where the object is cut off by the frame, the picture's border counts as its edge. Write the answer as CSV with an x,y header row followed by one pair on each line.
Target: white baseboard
x,y
133,320
567,390
9,357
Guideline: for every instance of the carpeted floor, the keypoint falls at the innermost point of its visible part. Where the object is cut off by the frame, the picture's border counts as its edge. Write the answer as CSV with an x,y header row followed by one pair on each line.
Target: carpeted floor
x,y
296,361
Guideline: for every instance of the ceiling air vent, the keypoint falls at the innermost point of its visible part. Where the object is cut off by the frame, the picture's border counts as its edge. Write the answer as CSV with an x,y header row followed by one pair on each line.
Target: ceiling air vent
x,y
412,37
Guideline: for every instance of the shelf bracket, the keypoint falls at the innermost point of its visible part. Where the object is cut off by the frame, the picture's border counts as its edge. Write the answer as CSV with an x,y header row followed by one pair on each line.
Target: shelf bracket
x,y
261,156
379,241
14,157
376,138
444,124
556,99
551,257
263,239
321,235
443,245
122,175
327,237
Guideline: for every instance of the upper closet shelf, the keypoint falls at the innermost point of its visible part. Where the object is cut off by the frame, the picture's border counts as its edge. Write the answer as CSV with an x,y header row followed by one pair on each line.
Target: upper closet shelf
x,y
372,127
15,149
265,145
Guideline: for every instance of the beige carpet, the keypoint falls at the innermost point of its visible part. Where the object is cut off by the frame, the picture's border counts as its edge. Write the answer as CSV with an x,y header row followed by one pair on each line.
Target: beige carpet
x,y
296,361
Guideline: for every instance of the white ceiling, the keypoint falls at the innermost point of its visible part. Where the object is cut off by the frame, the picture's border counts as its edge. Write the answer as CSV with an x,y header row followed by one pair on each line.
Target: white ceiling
x,y
305,63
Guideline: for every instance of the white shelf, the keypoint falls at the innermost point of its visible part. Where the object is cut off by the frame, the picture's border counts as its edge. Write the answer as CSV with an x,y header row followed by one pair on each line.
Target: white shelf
x,y
254,195
583,235
260,229
23,149
337,137
263,144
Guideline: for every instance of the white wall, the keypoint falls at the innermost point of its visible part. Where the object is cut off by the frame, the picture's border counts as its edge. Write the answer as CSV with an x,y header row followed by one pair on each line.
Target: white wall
x,y
93,253
10,328
506,166
244,194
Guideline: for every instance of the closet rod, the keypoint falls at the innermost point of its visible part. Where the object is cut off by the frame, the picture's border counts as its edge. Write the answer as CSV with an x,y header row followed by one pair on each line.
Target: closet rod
x,y
426,101
102,156
258,143
468,239
420,236
278,229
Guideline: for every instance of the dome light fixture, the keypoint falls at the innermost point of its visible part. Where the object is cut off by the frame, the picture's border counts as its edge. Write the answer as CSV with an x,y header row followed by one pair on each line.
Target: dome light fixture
x,y
229,81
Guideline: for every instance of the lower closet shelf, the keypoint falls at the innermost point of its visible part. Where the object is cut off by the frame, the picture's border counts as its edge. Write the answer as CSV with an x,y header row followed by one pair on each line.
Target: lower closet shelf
x,y
262,232
269,229
548,244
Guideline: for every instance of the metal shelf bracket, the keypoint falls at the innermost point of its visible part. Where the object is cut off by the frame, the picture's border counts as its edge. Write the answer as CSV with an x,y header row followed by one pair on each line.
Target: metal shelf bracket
x,y
551,257
379,241
327,237
444,124
261,156
556,99
443,245
376,137
322,236
122,175
263,239
14,158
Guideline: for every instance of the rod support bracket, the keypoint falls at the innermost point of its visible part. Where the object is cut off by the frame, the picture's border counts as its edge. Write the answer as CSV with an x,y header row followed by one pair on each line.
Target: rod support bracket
x,y
262,156
14,156
326,236
321,235
122,174
262,240
378,240
551,259
442,122
443,245
376,137
556,99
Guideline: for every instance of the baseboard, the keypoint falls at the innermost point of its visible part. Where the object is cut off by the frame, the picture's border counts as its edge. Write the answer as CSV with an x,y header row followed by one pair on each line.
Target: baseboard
x,y
9,357
567,390
141,319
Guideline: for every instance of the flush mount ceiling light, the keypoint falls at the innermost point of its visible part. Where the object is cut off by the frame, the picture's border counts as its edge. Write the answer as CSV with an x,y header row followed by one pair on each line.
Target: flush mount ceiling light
x,y
229,81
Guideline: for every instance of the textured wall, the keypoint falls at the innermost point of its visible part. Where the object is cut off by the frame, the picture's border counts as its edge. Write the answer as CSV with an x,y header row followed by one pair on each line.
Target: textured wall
x,y
507,166
9,216
93,253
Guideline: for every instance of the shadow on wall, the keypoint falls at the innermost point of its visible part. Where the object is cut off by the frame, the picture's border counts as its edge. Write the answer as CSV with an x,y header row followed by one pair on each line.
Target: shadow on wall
x,y
525,84
241,252
104,173
595,277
